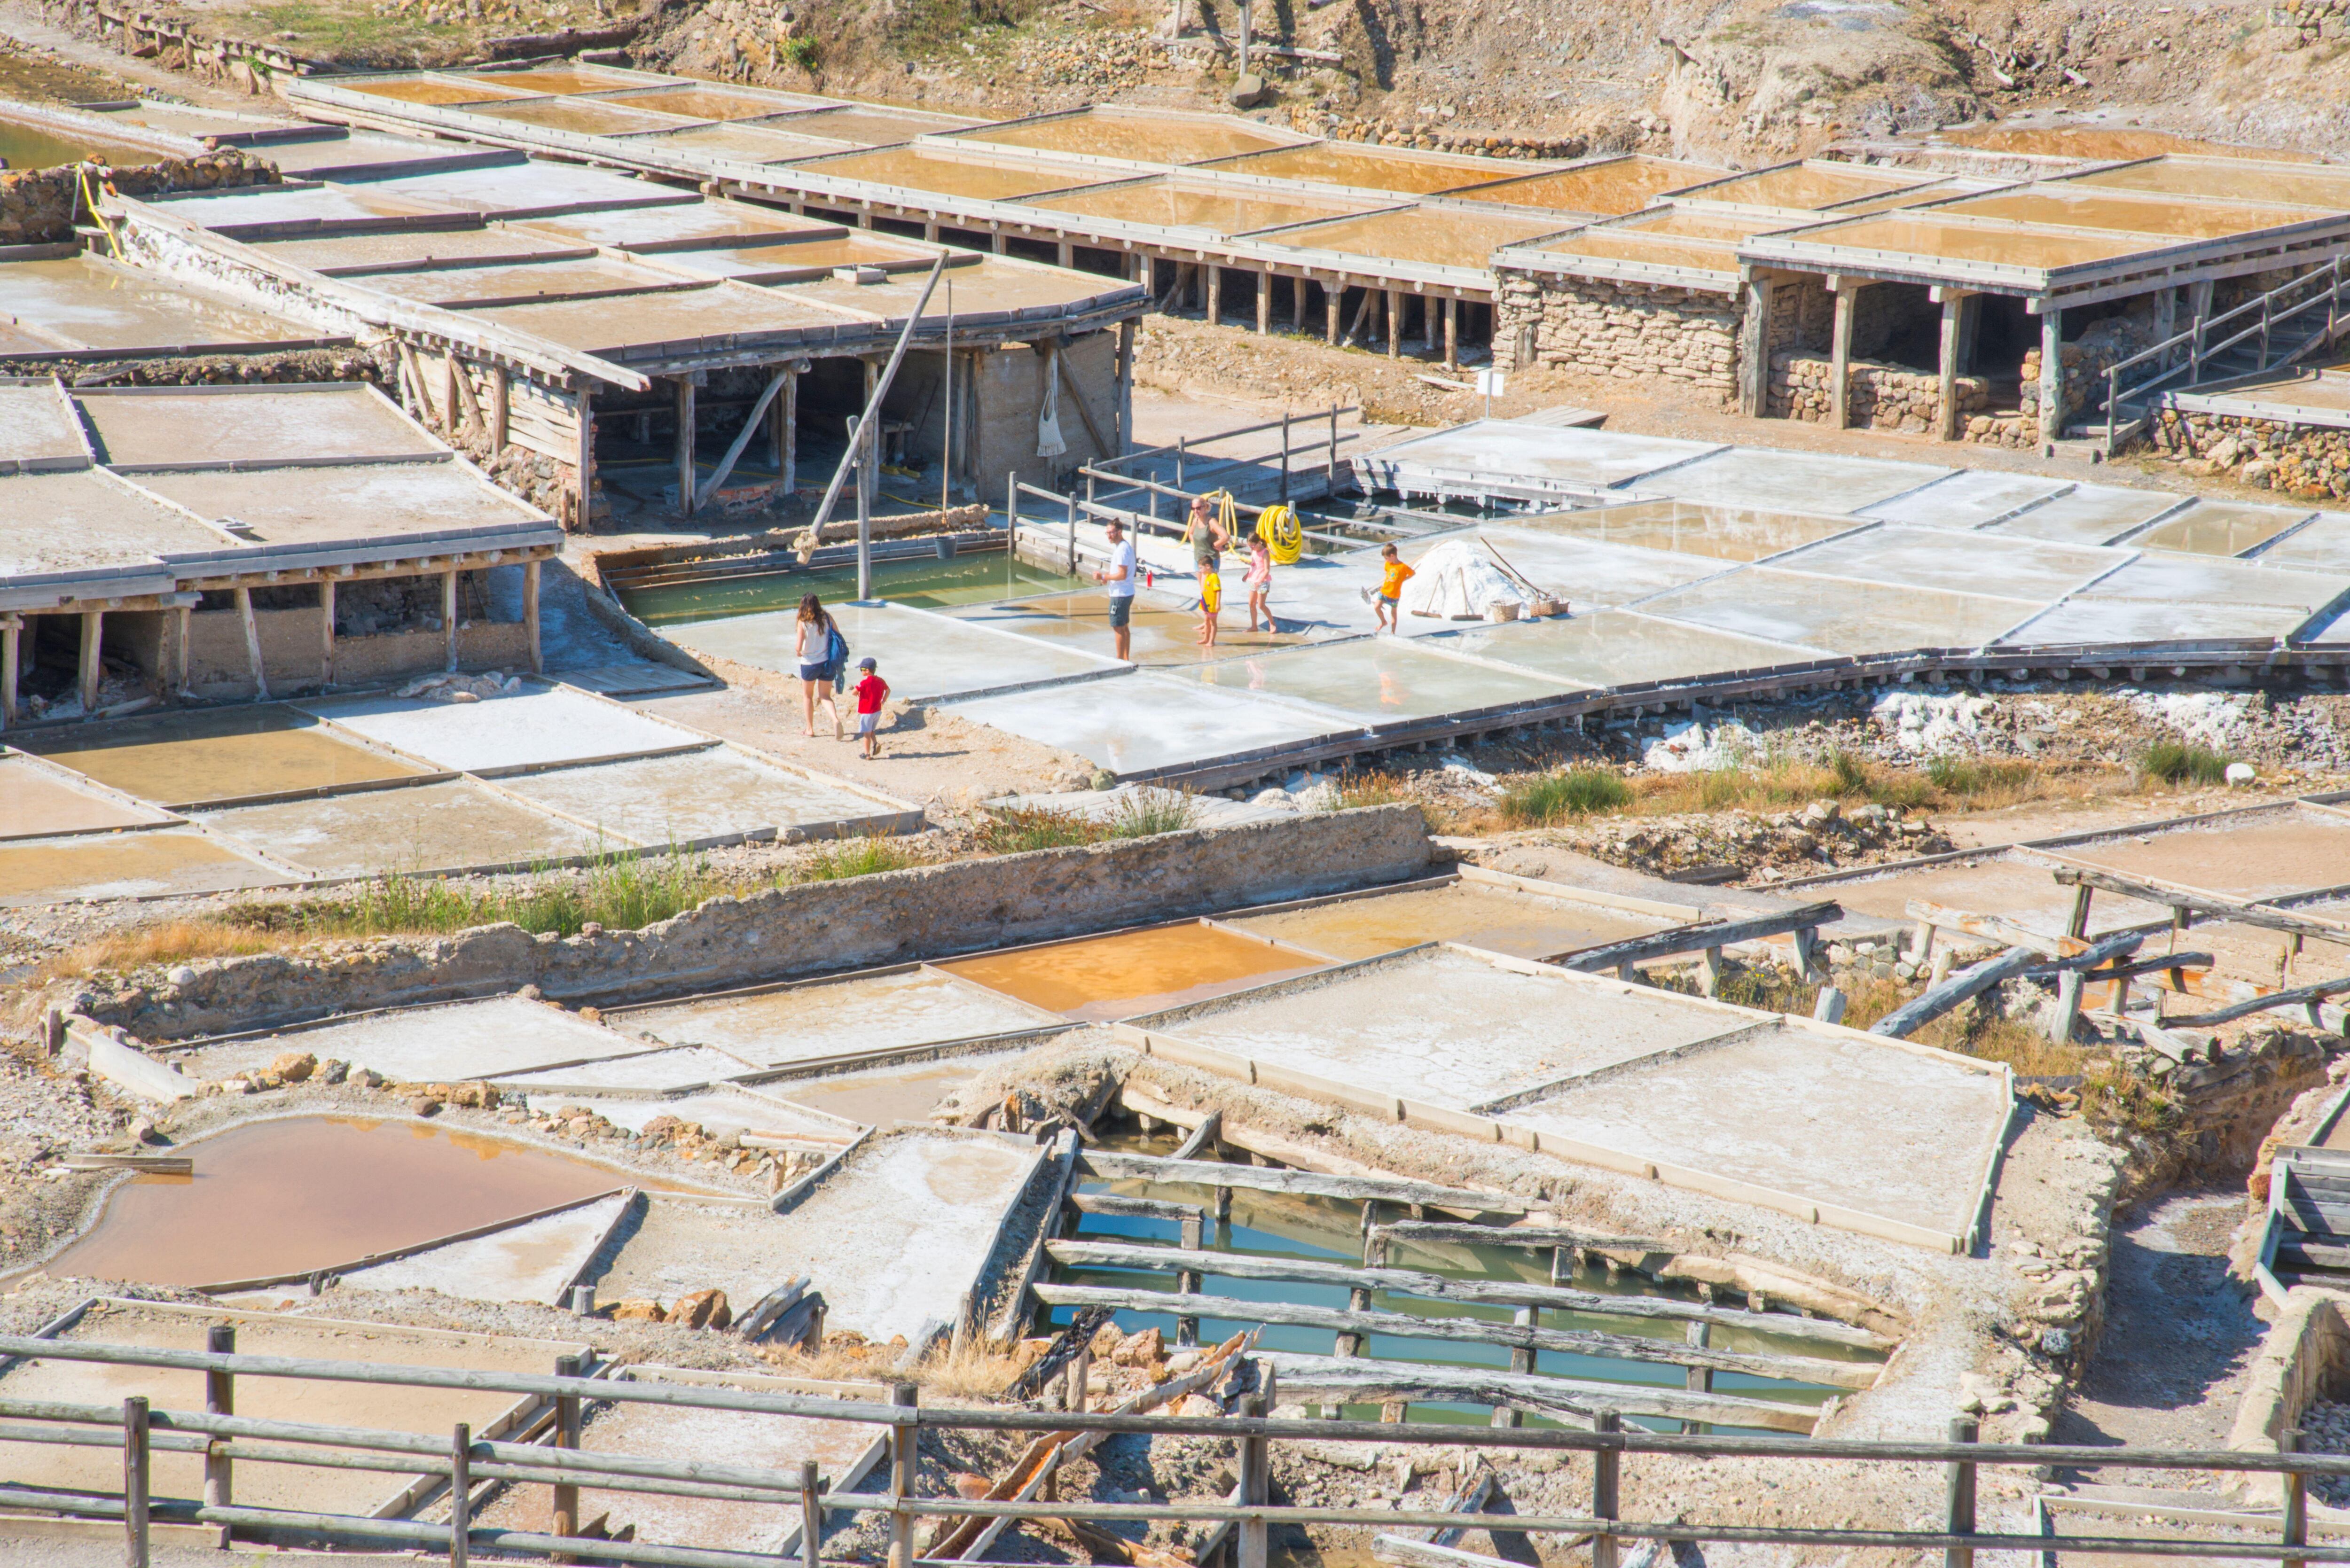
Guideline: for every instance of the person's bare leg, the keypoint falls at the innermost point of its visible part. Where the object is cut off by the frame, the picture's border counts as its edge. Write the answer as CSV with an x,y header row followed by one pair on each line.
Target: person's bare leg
x,y
807,697
1126,645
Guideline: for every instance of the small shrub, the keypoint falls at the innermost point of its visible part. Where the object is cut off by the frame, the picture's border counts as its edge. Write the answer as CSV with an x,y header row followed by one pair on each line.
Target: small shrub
x,y
853,858
1144,813
802,51
1578,792
2183,762
1851,773
1012,832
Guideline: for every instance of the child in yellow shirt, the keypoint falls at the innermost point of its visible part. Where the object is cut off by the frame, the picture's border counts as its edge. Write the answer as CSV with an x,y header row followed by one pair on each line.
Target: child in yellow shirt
x,y
1390,586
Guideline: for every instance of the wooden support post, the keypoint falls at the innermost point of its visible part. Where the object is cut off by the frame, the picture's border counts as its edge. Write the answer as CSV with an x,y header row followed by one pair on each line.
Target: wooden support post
x,y
563,1512
1065,253
1754,350
11,631
811,1517
1840,356
1605,1471
1256,1488
187,633
253,645
1263,303
1333,301
1395,323
583,511
1284,457
1330,467
136,1475
1187,1280
501,402
1297,287
1946,416
531,571
93,664
2294,1524
1078,1379
1699,1380
787,428
326,631
449,615
2077,927
1215,304
1959,1497
1710,962
450,399
220,1399
1452,333
460,1494
685,432
2052,378
901,1482
1125,413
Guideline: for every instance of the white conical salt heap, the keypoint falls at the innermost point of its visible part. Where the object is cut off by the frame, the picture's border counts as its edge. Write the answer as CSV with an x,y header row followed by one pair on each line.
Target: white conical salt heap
x,y
1457,581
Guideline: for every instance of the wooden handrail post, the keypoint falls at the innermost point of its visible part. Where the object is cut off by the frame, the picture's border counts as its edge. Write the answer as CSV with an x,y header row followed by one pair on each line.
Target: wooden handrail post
x,y
2296,1499
564,1514
1605,1474
1959,1515
1180,442
1187,1280
1332,472
460,1494
1284,457
1256,1488
135,1476
811,1517
1012,512
902,1441
220,1399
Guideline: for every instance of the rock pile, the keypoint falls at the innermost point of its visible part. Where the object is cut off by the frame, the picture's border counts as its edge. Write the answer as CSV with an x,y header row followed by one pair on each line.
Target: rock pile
x,y
1438,135
1627,330
1821,837
1878,396
2310,462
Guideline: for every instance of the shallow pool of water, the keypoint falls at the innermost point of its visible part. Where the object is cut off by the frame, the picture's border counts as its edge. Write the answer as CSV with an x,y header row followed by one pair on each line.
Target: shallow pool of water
x,y
24,146
285,1197
1097,979
1276,1225
926,583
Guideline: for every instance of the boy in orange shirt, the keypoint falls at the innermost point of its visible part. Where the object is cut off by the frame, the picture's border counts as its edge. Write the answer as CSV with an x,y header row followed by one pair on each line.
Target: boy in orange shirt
x,y
1390,586
871,693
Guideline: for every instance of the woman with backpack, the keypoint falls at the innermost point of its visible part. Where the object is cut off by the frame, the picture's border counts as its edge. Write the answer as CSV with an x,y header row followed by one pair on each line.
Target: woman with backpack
x,y
822,653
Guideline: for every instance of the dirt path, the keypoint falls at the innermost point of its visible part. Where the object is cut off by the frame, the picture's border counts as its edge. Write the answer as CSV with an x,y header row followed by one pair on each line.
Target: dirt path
x,y
2178,1339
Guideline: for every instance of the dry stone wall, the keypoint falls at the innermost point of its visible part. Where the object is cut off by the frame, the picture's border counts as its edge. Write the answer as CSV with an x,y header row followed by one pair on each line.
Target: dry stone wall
x,y
1627,330
894,916
38,206
2310,462
1880,397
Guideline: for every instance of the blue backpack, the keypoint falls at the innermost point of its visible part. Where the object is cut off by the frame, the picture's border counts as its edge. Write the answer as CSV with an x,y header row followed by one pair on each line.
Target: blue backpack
x,y
835,656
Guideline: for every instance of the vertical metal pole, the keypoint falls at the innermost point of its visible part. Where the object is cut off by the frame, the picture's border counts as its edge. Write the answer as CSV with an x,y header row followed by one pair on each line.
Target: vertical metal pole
x,y
460,1494
1179,444
1284,457
326,631
901,1481
2296,1499
686,419
1605,1471
220,1399
869,428
788,433
1960,1518
1072,500
1333,472
134,1481
1256,1478
449,615
946,417
563,1515
811,1517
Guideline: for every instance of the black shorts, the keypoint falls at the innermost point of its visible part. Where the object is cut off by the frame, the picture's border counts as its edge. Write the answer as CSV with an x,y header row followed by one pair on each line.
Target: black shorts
x,y
1121,606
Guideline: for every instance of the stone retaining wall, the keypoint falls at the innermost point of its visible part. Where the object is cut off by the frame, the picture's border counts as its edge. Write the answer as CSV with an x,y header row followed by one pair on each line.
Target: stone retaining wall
x,y
1627,330
2311,463
893,917
1881,397
38,206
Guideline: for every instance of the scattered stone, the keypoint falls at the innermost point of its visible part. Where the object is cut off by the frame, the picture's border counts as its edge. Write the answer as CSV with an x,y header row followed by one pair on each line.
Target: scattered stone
x,y
294,1066
638,1311
701,1309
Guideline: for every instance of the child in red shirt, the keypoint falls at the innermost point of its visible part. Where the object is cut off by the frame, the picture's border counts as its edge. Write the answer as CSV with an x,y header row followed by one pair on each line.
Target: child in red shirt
x,y
871,693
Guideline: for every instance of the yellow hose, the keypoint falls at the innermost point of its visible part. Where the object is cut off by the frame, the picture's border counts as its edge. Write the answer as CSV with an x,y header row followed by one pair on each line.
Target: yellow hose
x,y
1284,535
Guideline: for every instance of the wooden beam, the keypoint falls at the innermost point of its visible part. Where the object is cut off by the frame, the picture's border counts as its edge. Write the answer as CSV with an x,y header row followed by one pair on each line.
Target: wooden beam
x,y
1112,1164
1125,1207
1911,1016
1438,1232
584,463
1446,1287
500,395
1452,333
2202,906
1946,418
11,652
326,631
1463,1331
1994,928
1754,350
1215,302
253,643
449,614
2052,377
1358,1380
93,666
1203,1138
1697,938
788,430
2297,996
1395,323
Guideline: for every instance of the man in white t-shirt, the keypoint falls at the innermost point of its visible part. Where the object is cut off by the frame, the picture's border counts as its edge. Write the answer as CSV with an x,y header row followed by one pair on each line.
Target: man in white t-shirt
x,y
1120,574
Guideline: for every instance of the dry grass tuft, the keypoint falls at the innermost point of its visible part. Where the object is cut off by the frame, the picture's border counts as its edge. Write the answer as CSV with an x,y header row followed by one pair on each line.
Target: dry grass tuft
x,y
166,941
977,1371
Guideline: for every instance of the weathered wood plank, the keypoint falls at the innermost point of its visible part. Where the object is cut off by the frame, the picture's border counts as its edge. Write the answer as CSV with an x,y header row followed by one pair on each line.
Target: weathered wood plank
x,y
1358,1380
1112,1165
1970,981
1697,939
1440,1287
2201,905
1535,1236
1467,1331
